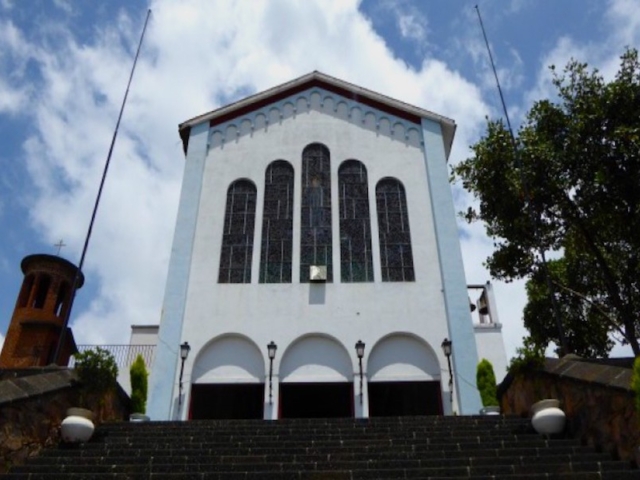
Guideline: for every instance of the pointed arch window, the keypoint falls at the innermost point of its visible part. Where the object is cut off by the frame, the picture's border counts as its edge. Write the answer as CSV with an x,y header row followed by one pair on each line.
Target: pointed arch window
x,y
396,258
277,224
355,223
237,237
315,228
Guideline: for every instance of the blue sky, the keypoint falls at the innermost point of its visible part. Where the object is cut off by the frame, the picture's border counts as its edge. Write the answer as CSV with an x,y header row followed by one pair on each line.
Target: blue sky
x,y
63,72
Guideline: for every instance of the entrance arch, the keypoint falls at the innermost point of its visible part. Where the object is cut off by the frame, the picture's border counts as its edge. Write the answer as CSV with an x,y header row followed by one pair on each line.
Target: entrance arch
x,y
404,377
228,380
316,379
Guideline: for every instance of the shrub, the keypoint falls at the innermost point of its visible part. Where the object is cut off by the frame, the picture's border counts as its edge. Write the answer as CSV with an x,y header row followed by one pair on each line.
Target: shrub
x,y
635,383
486,381
529,357
138,374
97,370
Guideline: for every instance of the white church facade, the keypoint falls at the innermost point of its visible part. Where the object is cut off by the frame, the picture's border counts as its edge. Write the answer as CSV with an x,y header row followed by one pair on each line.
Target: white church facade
x,y
315,216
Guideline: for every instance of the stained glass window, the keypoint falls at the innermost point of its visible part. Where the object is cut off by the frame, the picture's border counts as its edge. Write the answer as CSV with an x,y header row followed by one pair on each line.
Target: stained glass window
x,y
355,224
396,258
237,237
315,229
277,224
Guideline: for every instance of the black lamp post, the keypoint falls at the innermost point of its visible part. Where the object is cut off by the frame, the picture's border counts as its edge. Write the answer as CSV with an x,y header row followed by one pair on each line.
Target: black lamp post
x,y
184,353
446,348
360,353
271,349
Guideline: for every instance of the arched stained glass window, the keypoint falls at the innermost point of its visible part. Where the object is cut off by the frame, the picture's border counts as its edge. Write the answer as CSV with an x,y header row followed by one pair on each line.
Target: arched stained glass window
x,y
355,224
315,229
277,224
396,258
237,237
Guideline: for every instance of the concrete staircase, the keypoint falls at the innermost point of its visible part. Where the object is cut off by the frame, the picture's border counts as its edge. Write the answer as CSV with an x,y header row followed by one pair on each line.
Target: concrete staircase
x,y
332,449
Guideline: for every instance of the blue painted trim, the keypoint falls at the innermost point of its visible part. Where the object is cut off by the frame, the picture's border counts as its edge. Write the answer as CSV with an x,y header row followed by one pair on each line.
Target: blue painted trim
x,y
163,374
465,355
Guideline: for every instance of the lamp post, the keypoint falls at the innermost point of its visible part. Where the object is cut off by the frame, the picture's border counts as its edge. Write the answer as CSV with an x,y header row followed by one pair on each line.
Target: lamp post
x,y
184,353
446,348
360,353
271,350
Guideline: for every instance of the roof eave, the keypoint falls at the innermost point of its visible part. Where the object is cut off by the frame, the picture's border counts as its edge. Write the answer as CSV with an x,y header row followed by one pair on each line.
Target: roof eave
x,y
319,79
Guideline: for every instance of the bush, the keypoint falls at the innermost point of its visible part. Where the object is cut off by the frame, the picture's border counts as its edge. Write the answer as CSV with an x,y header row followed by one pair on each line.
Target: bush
x,y
635,383
138,374
530,357
97,370
486,381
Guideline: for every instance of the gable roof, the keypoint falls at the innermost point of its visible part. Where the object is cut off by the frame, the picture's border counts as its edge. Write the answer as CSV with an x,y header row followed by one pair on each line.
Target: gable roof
x,y
317,79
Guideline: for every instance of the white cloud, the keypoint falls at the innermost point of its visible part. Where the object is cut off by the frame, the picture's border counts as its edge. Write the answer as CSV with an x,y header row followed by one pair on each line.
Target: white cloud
x,y
14,53
409,20
64,5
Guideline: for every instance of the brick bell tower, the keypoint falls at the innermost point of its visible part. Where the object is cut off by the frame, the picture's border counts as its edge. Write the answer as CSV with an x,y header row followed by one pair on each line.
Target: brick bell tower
x,y
39,313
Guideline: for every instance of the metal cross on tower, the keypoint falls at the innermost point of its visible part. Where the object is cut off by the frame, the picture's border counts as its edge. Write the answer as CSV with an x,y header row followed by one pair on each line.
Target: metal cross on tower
x,y
60,244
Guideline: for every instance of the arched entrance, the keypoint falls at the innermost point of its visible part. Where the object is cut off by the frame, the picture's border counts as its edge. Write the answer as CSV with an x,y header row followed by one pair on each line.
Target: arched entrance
x,y
316,379
228,380
404,378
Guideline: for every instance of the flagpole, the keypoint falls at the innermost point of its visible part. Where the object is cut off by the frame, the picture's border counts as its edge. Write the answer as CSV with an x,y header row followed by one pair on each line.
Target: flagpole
x,y
525,189
78,275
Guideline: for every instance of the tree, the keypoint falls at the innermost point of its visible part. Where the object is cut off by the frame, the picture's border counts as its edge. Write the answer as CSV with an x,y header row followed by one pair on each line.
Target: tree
x,y
571,186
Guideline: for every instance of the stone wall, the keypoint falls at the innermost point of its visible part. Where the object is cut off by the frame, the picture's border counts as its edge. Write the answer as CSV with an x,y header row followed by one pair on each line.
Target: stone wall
x,y
32,408
596,398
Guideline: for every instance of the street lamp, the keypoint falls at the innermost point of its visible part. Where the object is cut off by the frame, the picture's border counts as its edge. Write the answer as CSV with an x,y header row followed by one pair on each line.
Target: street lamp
x,y
360,353
271,349
184,353
446,348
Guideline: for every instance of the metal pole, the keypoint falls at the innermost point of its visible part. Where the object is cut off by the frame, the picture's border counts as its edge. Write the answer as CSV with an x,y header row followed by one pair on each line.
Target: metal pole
x,y
450,382
361,393
271,381
74,286
525,190
180,386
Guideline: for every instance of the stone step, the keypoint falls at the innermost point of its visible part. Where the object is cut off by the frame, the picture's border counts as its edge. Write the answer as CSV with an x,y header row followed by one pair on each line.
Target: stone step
x,y
206,466
340,457
450,451
329,441
330,475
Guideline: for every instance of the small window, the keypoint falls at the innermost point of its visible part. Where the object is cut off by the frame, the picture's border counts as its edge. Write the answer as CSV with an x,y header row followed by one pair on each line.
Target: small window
x,y
396,257
277,224
25,292
44,282
355,224
61,299
237,237
315,230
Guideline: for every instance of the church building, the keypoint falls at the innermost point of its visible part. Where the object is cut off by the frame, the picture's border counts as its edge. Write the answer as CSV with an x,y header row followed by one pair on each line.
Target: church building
x,y
316,268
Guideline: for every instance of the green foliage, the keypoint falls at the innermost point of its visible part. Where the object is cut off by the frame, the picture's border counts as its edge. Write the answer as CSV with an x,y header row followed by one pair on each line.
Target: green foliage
x,y
97,370
138,374
486,382
529,357
635,383
572,189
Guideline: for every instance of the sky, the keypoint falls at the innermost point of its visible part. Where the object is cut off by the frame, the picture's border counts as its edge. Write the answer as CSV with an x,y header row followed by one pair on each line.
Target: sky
x,y
64,67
